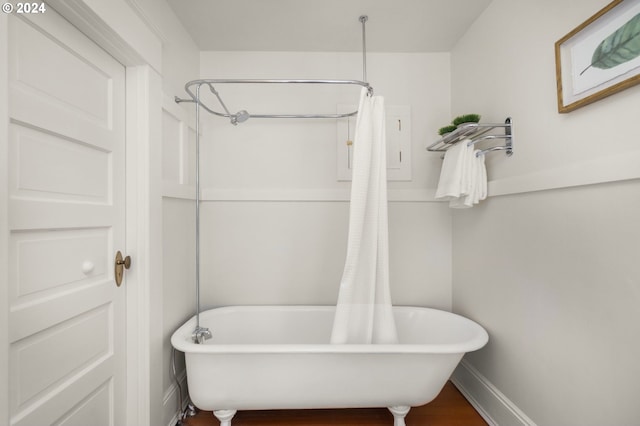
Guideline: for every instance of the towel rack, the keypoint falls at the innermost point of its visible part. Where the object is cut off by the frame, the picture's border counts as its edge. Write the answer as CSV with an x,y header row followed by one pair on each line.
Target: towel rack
x,y
478,132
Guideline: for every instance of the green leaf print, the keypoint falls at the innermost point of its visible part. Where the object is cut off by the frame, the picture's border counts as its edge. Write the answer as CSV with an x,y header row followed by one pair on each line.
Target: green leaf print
x,y
620,47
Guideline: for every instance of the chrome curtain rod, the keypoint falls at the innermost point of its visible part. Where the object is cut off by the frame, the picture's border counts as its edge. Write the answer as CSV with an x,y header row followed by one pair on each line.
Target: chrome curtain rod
x,y
243,115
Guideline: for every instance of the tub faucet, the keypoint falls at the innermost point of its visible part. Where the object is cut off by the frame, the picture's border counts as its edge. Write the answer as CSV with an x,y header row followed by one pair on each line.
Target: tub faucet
x,y
200,334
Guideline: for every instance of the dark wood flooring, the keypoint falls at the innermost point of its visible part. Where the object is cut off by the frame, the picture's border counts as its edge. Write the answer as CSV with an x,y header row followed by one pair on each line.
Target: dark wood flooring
x,y
450,408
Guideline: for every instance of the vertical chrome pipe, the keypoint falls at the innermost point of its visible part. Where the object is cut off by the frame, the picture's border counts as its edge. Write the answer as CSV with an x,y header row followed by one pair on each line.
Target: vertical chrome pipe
x,y
198,207
363,20
200,334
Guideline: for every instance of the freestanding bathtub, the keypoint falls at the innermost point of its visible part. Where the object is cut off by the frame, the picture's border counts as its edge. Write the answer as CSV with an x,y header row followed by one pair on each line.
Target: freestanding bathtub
x,y
279,357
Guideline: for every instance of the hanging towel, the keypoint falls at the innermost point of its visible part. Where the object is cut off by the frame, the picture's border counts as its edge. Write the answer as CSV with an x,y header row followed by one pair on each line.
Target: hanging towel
x,y
454,176
463,178
364,313
478,182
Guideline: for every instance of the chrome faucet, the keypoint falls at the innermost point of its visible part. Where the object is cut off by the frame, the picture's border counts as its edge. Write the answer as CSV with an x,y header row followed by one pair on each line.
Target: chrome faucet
x,y
200,334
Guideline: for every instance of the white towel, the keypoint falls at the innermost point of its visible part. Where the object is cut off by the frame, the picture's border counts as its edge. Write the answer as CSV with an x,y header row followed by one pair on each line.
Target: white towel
x,y
364,313
482,176
454,179
478,182
463,178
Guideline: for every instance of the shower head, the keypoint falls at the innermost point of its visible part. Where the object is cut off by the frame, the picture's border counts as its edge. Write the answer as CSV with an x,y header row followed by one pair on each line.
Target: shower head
x,y
240,117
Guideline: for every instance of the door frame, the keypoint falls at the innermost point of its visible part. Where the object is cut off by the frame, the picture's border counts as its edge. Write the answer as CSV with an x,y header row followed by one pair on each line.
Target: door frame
x,y
143,223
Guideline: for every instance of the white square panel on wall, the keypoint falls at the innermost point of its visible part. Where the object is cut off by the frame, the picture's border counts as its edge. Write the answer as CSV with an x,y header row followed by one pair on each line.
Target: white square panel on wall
x,y
178,149
398,138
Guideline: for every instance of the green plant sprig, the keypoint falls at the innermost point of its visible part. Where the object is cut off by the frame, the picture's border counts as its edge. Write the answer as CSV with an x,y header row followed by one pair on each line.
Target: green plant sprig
x,y
466,118
446,129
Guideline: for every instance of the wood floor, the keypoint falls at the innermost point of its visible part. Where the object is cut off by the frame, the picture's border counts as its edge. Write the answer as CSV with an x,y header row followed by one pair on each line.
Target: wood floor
x,y
450,408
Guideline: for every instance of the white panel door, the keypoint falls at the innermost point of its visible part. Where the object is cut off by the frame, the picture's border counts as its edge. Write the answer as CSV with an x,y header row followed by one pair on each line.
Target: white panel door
x,y
66,221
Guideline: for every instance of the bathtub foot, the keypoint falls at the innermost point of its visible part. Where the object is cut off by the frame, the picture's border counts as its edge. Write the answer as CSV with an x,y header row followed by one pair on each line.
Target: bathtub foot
x,y
399,412
224,416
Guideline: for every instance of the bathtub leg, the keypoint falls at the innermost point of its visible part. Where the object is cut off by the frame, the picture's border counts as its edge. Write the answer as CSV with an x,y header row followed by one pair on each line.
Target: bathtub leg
x,y
399,412
224,416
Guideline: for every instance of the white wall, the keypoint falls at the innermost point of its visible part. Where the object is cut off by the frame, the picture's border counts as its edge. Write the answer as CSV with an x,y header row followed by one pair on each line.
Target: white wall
x,y
288,252
551,274
554,278
178,301
178,232
178,236
275,216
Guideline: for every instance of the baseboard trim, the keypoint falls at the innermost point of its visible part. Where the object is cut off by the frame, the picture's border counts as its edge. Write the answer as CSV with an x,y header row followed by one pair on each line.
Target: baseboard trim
x,y
494,407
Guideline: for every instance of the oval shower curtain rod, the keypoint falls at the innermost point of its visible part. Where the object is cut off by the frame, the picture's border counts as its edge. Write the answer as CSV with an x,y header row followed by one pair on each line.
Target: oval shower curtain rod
x,y
243,115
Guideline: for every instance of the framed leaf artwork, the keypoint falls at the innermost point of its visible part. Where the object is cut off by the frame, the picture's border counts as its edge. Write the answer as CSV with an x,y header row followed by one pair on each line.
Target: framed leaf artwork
x,y
600,57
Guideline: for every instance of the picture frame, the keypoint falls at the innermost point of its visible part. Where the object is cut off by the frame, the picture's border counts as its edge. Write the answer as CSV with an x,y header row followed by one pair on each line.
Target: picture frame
x,y
600,57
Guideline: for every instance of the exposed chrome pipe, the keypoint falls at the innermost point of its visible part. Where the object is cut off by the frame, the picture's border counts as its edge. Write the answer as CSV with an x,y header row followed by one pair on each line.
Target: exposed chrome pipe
x,y
363,19
243,115
190,410
238,117
197,239
200,334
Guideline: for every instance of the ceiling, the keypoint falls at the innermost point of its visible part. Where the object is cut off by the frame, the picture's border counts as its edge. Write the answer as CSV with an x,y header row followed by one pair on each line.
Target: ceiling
x,y
327,25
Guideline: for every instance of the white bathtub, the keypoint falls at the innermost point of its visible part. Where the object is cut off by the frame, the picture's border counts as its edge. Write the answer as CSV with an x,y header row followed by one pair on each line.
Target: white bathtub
x,y
279,357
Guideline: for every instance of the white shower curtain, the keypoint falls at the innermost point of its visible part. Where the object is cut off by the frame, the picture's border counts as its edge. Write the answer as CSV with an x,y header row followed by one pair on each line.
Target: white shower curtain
x,y
364,313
